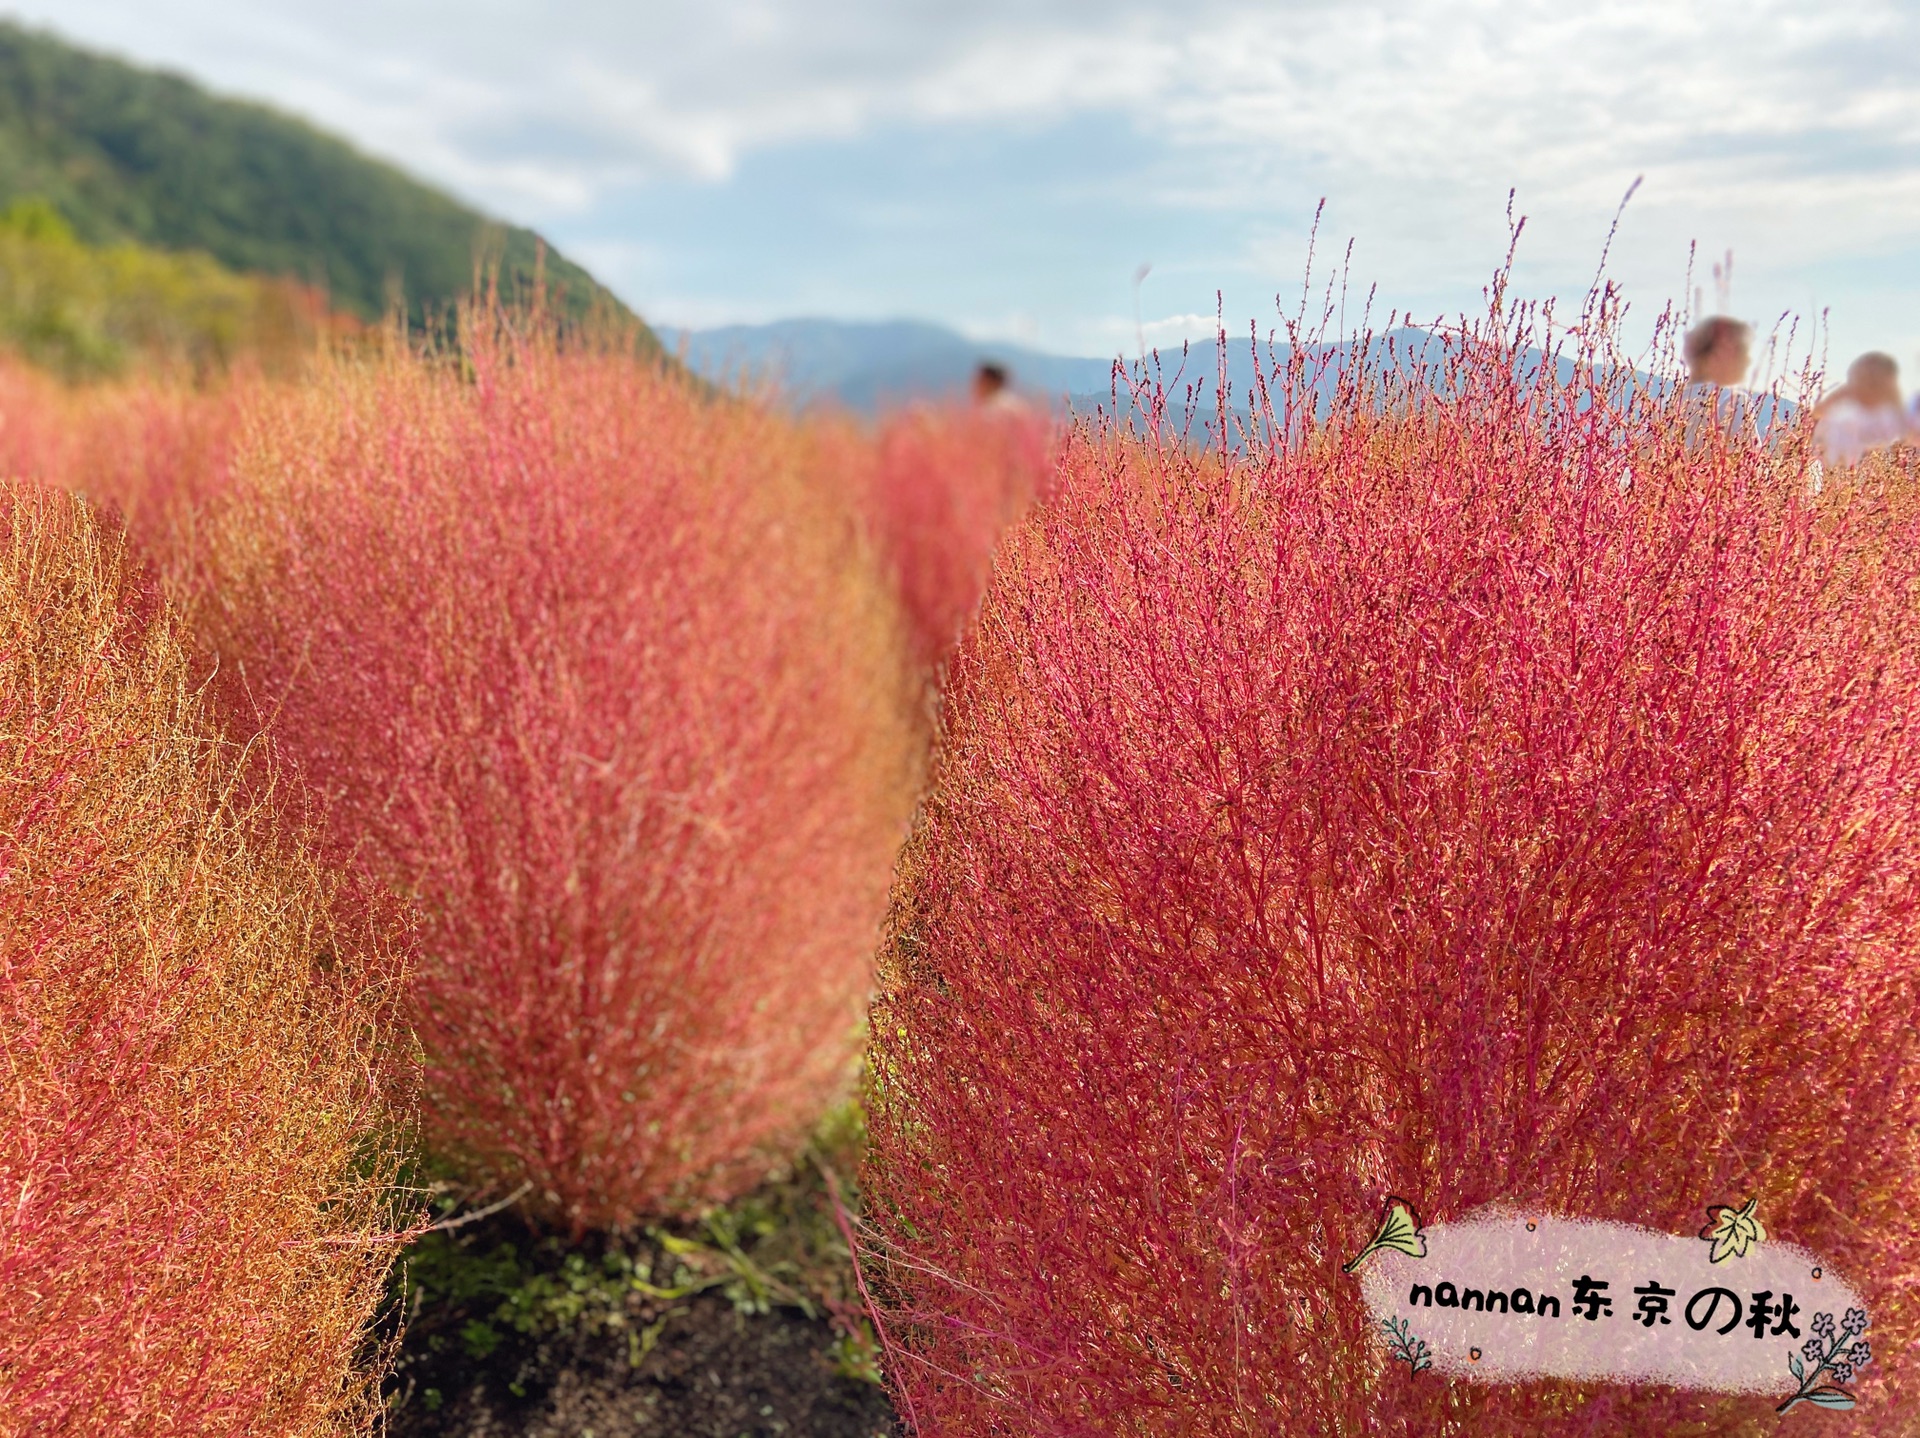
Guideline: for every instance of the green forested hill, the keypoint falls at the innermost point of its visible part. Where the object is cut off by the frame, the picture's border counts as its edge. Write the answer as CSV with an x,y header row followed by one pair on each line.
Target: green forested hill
x,y
127,154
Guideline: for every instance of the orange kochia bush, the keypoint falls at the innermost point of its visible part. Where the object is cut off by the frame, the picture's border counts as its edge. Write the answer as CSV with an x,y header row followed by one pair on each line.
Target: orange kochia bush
x,y
203,1064
581,662
1473,795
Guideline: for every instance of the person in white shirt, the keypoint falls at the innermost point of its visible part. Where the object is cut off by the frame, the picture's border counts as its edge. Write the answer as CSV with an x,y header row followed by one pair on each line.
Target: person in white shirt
x,y
993,391
1864,414
1719,352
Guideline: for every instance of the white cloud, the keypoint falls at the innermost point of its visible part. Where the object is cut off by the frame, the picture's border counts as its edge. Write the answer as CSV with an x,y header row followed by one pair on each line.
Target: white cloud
x,y
1793,120
1724,102
1168,332
549,103
563,98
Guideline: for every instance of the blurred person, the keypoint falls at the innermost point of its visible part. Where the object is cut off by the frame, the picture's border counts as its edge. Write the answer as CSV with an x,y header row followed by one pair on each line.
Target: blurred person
x,y
1719,352
1019,430
1864,414
993,390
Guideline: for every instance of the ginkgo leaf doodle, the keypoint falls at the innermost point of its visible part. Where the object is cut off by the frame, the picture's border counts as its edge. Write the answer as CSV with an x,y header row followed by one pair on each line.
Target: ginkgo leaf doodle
x,y
1732,1231
1399,1230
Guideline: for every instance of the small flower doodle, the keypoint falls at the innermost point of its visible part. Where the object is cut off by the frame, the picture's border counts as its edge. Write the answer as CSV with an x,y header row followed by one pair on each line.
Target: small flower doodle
x,y
1836,1353
1399,1230
1404,1346
1733,1230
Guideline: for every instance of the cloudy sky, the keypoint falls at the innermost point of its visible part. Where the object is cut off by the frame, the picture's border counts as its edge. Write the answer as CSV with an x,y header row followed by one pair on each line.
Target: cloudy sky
x,y
1007,166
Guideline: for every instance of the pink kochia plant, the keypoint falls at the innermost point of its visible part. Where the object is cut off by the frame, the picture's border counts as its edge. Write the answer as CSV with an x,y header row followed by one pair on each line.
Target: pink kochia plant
x,y
1470,794
144,449
579,661
943,485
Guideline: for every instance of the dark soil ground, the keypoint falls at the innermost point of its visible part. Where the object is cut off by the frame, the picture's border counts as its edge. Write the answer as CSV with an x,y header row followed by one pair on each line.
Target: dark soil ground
x,y
740,1323
713,1372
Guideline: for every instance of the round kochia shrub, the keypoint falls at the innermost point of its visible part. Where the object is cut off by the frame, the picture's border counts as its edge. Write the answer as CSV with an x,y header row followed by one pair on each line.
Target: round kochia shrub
x,y
196,1149
943,485
1477,797
580,662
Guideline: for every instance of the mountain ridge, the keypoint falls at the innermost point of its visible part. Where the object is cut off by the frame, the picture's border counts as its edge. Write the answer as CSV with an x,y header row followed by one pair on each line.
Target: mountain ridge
x,y
866,365
870,365
129,154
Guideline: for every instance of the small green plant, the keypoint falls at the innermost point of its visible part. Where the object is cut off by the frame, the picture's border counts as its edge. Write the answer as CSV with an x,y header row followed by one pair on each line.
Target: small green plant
x,y
779,1247
856,1353
532,1287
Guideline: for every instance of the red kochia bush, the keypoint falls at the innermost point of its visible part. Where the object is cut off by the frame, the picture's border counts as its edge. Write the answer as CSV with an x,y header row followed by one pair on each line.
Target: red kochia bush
x,y
578,660
198,1141
938,488
1474,796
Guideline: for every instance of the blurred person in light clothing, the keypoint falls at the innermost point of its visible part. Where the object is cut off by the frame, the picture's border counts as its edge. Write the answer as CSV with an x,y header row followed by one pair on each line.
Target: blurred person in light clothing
x,y
993,391
1719,352
1864,414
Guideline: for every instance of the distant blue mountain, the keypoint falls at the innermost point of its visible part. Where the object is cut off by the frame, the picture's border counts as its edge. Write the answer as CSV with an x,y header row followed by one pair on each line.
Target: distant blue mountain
x,y
869,366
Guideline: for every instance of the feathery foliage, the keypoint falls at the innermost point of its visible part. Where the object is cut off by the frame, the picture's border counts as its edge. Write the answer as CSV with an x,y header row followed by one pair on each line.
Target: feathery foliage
x,y
205,1070
1471,793
584,663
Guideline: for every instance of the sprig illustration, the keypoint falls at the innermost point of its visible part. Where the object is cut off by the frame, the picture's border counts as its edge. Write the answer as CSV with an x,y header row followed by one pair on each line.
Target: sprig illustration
x,y
1399,1230
1733,1230
1404,1346
1822,1354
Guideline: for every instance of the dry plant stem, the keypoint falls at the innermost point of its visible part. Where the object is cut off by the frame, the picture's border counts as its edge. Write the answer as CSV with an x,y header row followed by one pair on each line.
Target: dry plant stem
x,y
856,1253
447,1225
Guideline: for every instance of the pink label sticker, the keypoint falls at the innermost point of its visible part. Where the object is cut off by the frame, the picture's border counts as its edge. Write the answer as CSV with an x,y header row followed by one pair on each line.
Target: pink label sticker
x,y
1504,1296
